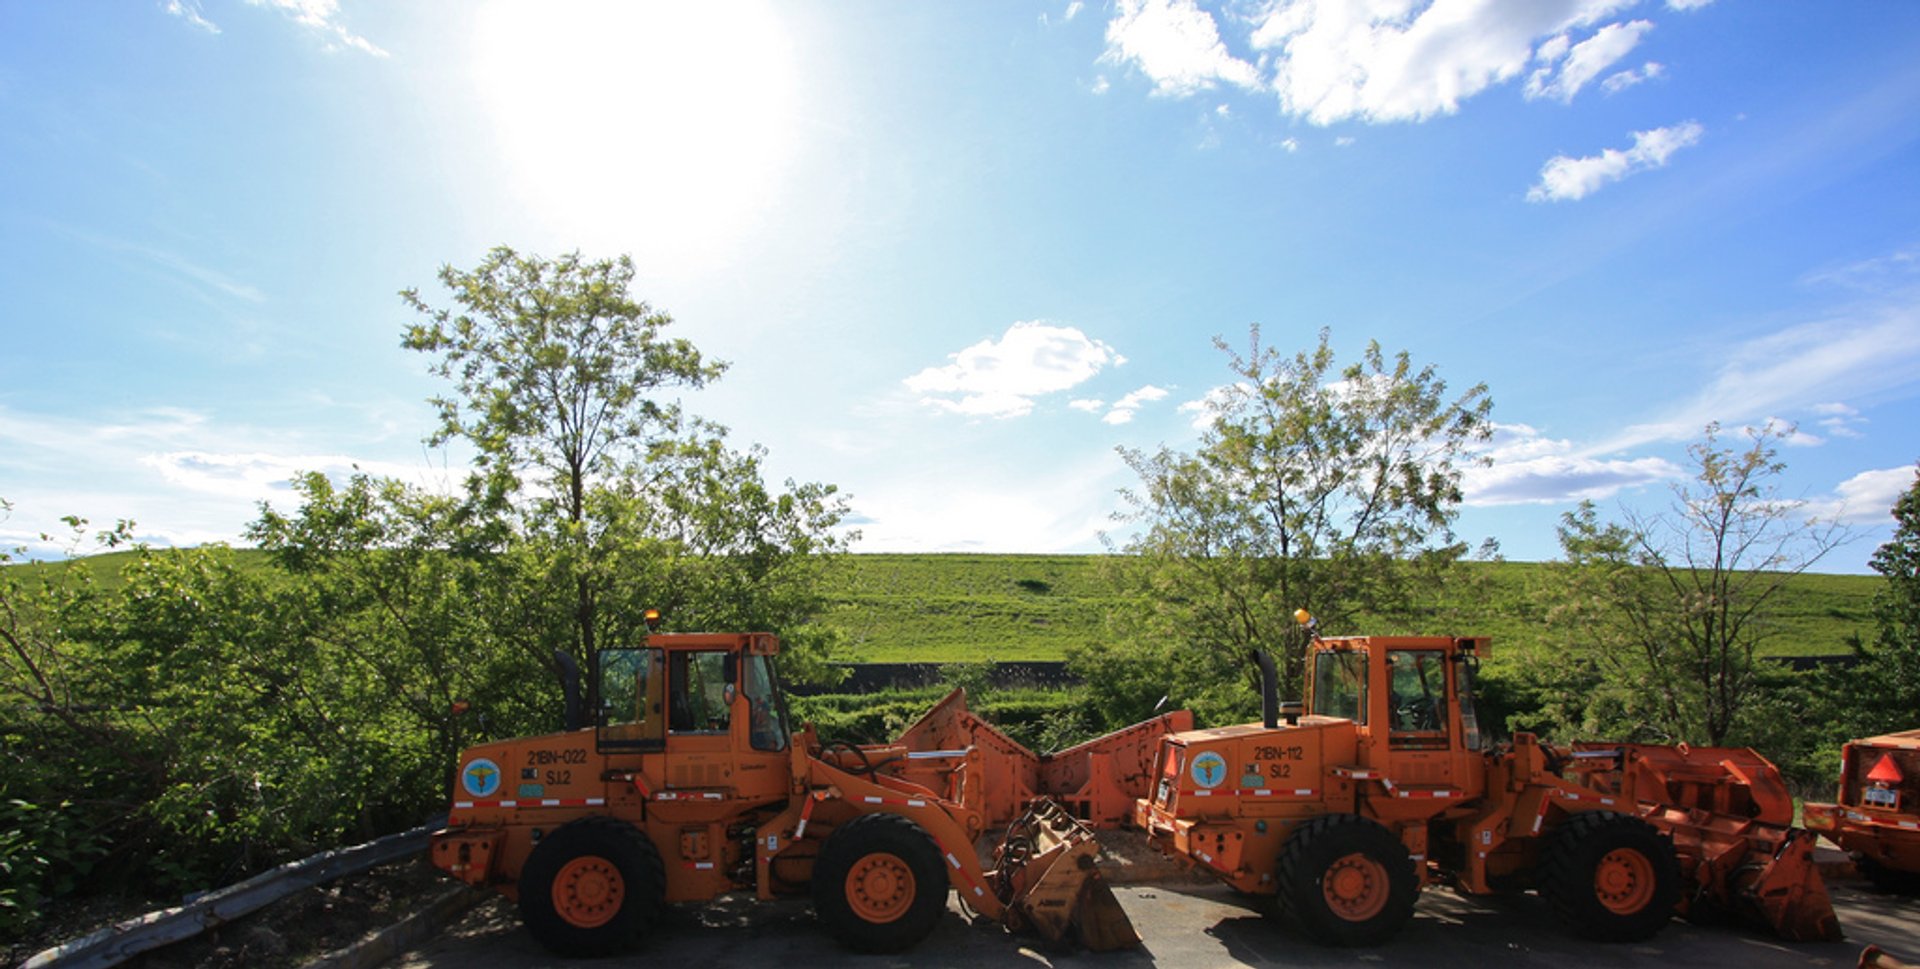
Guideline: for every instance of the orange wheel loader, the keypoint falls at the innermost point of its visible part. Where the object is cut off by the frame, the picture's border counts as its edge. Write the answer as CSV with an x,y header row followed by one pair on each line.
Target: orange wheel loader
x,y
1877,816
690,784
1387,784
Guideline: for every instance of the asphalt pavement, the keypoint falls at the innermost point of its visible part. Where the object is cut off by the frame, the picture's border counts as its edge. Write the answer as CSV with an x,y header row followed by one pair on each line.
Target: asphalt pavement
x,y
1197,926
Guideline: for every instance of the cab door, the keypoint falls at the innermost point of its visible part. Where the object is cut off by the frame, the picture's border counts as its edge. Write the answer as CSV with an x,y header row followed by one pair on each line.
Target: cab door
x,y
1420,719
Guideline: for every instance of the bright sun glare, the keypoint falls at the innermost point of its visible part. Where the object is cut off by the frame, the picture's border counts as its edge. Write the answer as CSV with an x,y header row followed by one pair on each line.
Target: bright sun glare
x,y
653,128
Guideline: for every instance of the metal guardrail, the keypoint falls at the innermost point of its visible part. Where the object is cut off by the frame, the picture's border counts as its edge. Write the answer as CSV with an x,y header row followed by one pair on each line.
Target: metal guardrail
x,y
118,943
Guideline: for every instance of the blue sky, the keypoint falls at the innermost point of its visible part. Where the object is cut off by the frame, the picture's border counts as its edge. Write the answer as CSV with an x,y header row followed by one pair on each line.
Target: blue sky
x,y
958,253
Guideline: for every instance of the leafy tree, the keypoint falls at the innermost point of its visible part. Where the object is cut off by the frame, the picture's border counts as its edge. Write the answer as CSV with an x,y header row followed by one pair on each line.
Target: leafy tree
x,y
1659,618
557,371
1884,691
1330,489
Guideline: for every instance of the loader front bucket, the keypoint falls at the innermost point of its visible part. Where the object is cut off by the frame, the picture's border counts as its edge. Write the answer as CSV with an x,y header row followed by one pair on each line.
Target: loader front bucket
x,y
1045,873
1749,869
1791,896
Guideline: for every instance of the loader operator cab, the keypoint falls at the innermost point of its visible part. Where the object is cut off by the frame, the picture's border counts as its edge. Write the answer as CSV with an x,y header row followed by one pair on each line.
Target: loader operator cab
x,y
688,687
1413,690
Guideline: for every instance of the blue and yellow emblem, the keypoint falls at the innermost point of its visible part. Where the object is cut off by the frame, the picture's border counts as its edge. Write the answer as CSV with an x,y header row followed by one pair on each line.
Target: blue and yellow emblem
x,y
481,777
1209,769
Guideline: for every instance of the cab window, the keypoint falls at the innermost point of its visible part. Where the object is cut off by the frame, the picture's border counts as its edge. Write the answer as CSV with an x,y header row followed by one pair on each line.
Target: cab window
x,y
700,692
630,685
1340,685
1417,684
768,723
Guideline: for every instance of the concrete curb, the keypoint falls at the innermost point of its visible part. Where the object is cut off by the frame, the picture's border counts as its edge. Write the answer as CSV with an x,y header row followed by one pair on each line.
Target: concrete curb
x,y
391,942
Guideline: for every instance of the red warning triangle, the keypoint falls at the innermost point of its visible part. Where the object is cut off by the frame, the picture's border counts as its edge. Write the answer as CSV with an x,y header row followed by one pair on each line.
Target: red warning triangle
x,y
1885,772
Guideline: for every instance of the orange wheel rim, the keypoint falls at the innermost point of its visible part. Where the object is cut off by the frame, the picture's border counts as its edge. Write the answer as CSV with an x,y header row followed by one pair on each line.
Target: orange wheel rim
x,y
1355,887
1623,881
587,892
880,888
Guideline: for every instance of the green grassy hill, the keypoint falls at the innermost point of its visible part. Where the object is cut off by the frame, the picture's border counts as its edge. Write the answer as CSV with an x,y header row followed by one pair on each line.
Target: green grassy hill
x,y
967,608
955,608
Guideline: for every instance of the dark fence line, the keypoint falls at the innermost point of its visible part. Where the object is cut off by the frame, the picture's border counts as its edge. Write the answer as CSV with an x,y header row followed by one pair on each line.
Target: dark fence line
x,y
878,677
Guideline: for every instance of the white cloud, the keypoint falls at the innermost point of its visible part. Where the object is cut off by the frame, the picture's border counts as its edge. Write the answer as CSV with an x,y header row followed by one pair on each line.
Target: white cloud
x,y
189,11
1203,411
1866,498
1175,44
1001,378
1562,79
1687,4
1564,178
1529,468
1291,145
323,17
1126,407
1616,83
1073,10
1090,406
1399,60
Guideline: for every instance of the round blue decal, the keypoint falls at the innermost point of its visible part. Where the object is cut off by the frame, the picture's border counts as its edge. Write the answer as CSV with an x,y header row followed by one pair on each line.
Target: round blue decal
x,y
1209,769
481,778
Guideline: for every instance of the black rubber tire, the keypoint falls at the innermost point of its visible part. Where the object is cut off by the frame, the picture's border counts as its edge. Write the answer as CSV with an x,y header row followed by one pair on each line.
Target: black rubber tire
x,y
1892,881
1571,864
1316,850
641,889
857,840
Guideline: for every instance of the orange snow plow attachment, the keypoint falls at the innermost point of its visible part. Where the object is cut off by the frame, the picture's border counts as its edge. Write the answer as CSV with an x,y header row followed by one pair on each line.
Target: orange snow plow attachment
x,y
1045,874
1097,782
1730,818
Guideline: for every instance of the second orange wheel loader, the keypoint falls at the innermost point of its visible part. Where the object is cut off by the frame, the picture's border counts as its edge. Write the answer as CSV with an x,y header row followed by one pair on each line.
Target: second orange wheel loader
x,y
1387,784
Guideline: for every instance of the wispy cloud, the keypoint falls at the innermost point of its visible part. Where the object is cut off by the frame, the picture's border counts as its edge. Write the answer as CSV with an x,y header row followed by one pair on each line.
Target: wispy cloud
x,y
1567,69
1839,420
1565,178
189,11
204,281
1529,468
1854,354
1877,273
196,477
1615,83
983,507
1000,378
323,18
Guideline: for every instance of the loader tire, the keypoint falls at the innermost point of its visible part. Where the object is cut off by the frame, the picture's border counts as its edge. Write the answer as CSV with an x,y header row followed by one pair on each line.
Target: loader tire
x,y
1891,881
591,887
1346,880
879,884
1610,877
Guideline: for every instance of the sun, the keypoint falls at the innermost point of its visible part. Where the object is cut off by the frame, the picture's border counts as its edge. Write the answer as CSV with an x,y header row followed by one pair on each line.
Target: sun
x,y
656,128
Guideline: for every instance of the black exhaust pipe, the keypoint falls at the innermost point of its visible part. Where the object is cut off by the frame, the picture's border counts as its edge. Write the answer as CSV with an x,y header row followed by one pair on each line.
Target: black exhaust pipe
x,y
1269,689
